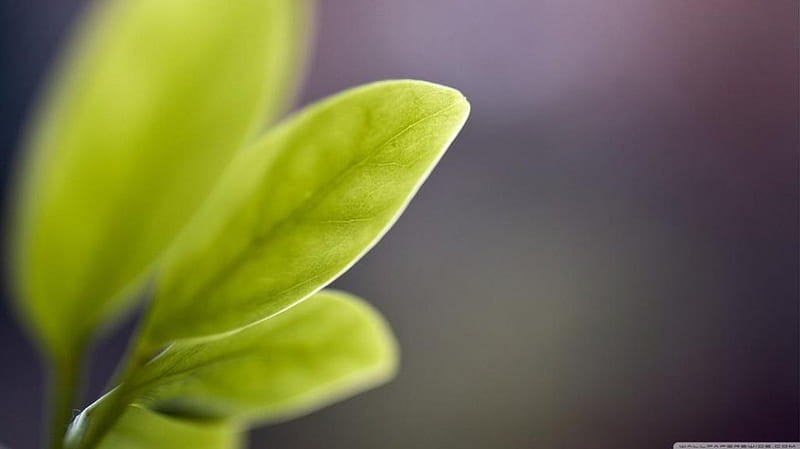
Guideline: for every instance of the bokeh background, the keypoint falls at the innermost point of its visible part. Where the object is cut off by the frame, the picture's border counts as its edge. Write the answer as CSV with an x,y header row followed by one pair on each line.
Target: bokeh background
x,y
607,256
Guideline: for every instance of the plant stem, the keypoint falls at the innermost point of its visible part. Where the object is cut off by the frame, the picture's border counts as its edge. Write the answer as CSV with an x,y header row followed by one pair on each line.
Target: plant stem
x,y
105,412
65,385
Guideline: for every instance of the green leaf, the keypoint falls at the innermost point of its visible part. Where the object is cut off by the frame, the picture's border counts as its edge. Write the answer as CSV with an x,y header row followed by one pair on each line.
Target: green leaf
x,y
325,349
140,428
144,113
302,205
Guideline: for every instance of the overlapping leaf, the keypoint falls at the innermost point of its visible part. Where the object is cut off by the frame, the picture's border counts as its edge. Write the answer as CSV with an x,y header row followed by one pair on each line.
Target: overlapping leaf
x,y
145,112
301,205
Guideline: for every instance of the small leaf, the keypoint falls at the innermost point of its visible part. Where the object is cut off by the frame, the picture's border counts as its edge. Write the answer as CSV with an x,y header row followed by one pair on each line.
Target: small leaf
x,y
139,428
302,205
327,348
147,109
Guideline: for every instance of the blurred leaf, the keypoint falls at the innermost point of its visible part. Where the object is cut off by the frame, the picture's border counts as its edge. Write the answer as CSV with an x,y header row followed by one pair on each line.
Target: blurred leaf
x,y
302,205
140,428
143,115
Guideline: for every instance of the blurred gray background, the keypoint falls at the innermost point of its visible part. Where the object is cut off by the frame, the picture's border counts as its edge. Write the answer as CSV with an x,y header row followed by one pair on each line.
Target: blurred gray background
x,y
606,257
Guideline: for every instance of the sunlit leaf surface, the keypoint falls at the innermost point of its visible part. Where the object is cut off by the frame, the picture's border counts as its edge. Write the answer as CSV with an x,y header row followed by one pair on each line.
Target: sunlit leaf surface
x,y
302,205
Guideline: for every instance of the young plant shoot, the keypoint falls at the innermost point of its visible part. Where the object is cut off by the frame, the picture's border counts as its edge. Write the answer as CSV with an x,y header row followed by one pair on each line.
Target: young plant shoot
x,y
154,172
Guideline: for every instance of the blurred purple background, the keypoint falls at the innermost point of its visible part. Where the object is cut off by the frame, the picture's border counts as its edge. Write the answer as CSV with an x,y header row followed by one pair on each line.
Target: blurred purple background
x,y
608,255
